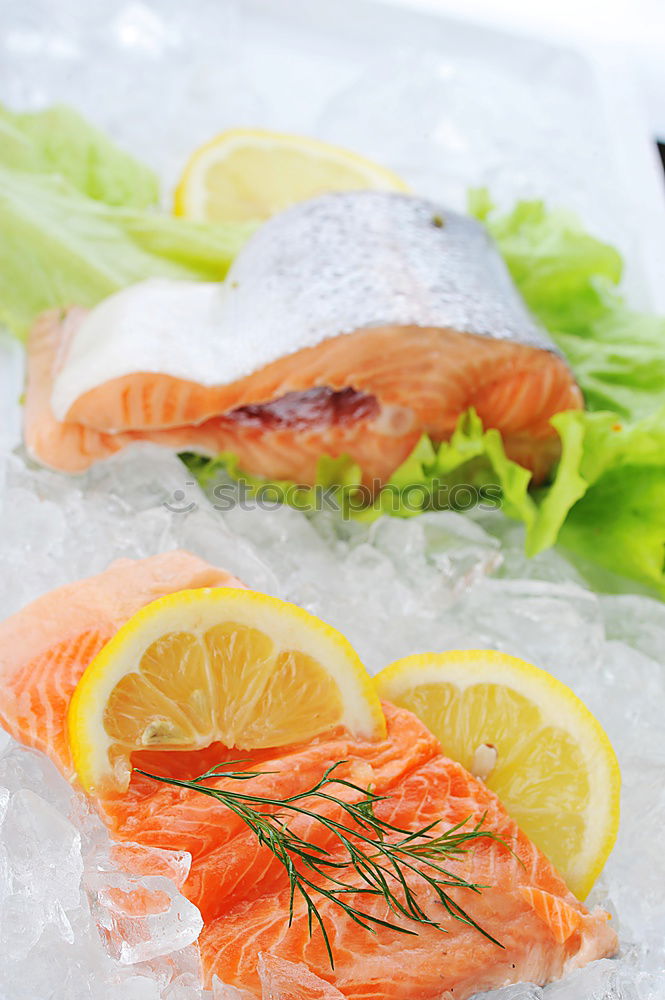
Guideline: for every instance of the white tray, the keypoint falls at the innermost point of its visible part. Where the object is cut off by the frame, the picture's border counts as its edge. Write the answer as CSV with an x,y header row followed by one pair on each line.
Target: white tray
x,y
448,104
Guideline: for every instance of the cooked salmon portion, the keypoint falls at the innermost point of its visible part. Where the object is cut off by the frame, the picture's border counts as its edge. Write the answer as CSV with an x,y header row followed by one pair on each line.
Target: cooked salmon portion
x,y
352,323
242,890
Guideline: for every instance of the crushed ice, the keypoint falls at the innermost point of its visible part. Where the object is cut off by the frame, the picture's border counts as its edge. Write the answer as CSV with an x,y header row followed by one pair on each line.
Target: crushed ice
x,y
68,920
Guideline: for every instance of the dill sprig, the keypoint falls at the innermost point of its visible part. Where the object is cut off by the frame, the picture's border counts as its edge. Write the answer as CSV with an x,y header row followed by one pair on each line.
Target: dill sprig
x,y
381,854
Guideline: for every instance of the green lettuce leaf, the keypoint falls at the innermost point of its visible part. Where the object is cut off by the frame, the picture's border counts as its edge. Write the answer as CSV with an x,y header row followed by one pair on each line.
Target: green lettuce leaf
x,y
458,474
619,520
607,498
78,220
60,141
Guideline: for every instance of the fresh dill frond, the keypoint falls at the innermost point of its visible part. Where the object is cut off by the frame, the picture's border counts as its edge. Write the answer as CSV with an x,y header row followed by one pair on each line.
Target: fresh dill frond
x,y
382,855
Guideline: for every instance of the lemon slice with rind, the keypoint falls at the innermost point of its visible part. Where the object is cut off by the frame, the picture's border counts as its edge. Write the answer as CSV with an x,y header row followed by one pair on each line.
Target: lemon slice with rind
x,y
216,664
250,174
530,738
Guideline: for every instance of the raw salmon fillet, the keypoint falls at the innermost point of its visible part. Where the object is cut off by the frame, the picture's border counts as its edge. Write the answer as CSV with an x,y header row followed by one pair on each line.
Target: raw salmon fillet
x,y
45,648
240,888
545,931
351,324
279,450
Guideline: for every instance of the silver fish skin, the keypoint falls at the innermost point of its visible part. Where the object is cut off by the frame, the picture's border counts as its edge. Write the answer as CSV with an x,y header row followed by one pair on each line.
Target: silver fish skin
x,y
347,261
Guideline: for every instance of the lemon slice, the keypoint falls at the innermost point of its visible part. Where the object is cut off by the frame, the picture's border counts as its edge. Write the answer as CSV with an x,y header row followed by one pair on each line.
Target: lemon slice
x,y
531,739
250,174
215,664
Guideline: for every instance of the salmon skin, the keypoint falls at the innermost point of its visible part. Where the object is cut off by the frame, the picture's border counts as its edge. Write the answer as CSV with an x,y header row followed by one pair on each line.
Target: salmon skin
x,y
349,324
241,890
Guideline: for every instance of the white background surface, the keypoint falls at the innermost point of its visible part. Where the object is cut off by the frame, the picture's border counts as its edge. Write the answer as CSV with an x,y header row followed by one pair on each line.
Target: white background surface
x,y
450,102
633,30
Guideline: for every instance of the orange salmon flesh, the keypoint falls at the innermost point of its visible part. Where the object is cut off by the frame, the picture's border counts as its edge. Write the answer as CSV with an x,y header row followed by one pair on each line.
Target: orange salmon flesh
x,y
241,890
370,395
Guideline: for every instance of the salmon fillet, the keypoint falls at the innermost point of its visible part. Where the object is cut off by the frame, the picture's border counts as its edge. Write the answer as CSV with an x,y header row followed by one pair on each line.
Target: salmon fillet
x,y
278,451
45,647
351,324
545,931
241,890
233,865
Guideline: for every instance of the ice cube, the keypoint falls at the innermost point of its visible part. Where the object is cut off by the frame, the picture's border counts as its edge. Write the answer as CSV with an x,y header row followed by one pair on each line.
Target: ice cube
x,y
628,699
598,979
96,843
460,548
4,803
281,979
46,972
6,877
141,918
204,532
518,991
136,988
557,626
136,859
181,967
551,565
44,853
637,621
22,920
635,874
185,989
23,768
222,991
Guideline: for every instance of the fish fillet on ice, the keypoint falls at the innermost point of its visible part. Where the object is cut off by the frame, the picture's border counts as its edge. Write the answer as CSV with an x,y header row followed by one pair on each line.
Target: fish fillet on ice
x,y
349,324
248,940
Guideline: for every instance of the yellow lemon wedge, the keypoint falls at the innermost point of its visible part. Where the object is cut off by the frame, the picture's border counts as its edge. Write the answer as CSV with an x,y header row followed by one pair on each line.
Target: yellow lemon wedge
x,y
250,174
215,664
530,738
